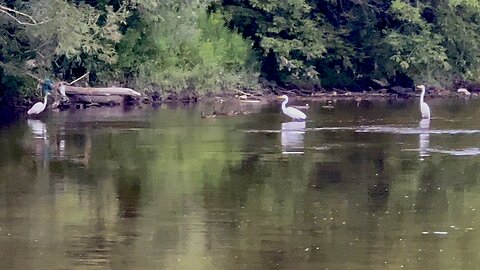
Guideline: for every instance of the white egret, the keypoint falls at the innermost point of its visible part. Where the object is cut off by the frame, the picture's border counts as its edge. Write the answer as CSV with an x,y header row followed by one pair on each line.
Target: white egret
x,y
39,106
292,112
424,109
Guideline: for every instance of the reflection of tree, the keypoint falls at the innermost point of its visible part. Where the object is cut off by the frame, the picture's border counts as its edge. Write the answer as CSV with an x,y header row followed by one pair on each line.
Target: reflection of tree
x,y
206,196
431,196
128,191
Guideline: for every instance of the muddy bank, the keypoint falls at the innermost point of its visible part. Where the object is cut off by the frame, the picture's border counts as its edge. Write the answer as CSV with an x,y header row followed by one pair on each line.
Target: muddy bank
x,y
266,95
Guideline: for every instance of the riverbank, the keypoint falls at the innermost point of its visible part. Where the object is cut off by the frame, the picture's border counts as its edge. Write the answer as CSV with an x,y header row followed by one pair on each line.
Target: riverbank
x,y
265,95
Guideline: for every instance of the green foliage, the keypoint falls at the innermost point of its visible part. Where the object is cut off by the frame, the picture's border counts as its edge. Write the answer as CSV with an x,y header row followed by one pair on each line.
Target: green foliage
x,y
64,30
286,30
349,43
414,45
53,36
13,86
178,53
207,46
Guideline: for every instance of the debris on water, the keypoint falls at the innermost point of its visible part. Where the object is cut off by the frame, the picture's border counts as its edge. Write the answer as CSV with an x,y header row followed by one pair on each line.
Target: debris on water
x,y
307,249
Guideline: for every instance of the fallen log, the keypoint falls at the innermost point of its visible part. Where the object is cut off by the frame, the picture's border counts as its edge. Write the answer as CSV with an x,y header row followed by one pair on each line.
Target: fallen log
x,y
106,91
102,100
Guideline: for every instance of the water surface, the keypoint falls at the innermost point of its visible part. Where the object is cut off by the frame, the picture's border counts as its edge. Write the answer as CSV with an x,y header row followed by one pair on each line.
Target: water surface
x,y
359,186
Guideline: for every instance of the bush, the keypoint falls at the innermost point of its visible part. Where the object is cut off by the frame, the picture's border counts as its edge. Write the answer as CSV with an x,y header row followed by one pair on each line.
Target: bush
x,y
180,54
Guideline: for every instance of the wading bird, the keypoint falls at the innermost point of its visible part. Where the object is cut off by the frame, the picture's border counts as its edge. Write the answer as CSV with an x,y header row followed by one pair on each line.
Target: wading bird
x,y
292,112
39,106
424,109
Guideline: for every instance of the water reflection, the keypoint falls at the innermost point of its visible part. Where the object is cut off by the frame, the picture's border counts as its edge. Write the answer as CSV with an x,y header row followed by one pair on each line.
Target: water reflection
x,y
171,191
55,145
293,134
38,128
40,142
424,138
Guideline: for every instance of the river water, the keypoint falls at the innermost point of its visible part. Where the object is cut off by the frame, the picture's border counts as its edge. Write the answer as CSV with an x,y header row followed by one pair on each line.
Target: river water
x,y
358,186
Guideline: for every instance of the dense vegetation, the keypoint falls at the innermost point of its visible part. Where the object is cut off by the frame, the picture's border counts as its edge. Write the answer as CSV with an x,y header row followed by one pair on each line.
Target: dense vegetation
x,y
205,45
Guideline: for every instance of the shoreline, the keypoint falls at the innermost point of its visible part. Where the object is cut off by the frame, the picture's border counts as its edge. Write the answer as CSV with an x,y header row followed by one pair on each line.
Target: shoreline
x,y
261,97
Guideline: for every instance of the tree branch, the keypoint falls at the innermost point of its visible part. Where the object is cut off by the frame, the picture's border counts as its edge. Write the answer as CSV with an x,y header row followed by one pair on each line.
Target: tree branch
x,y
9,11
20,71
78,79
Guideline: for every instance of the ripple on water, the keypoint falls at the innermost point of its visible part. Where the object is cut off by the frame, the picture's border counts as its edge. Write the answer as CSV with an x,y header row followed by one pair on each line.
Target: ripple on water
x,y
409,130
262,131
462,152
380,129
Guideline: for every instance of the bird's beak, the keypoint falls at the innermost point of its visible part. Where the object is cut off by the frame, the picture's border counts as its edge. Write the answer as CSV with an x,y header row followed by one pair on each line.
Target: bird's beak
x,y
279,97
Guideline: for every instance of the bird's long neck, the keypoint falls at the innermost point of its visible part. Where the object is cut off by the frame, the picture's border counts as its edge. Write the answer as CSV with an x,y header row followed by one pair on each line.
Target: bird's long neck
x,y
422,95
45,100
284,103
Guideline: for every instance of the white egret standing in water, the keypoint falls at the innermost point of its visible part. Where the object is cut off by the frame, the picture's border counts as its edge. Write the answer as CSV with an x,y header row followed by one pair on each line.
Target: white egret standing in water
x,y
39,106
424,109
292,112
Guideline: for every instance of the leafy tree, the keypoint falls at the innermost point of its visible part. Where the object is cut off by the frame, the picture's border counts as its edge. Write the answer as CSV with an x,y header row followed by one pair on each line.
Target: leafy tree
x,y
55,31
177,46
347,43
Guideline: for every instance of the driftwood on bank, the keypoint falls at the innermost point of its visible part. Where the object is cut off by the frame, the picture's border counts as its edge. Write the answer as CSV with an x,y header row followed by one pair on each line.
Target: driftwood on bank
x,y
102,100
107,91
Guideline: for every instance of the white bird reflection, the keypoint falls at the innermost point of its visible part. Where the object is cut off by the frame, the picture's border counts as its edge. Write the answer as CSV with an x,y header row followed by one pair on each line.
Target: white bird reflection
x,y
424,139
40,142
38,128
293,134
51,144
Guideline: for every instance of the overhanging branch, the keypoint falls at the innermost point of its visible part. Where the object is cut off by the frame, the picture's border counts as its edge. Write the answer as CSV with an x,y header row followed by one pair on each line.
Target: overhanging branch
x,y
13,13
